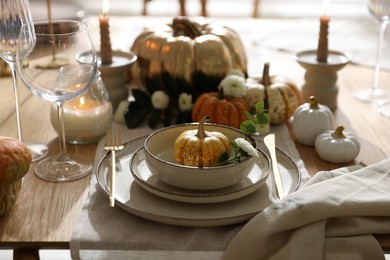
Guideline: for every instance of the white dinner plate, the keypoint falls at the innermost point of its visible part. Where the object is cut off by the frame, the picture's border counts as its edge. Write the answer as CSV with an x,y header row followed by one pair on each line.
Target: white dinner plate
x,y
131,197
143,176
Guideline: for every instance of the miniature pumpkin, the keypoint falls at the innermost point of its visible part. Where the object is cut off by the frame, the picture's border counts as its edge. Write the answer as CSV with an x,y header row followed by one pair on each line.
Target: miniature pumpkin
x,y
337,146
311,119
189,55
200,148
15,161
280,95
224,110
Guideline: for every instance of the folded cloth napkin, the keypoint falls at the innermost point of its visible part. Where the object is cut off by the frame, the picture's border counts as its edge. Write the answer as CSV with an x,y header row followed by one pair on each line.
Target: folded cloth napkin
x,y
334,216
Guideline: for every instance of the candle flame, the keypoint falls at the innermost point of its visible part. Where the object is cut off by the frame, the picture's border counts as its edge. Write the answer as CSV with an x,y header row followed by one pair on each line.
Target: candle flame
x,y
82,101
106,7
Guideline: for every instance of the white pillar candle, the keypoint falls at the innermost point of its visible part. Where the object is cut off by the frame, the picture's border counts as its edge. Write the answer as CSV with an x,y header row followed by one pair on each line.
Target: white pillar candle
x,y
85,120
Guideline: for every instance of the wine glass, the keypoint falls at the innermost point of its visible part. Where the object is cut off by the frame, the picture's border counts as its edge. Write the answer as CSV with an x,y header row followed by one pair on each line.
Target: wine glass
x,y
15,13
54,72
380,9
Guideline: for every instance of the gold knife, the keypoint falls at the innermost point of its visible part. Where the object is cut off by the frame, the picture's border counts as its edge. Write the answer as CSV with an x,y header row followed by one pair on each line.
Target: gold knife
x,y
269,141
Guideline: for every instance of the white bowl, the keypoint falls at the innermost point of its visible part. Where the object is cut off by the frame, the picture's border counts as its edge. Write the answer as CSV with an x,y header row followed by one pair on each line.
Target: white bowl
x,y
159,156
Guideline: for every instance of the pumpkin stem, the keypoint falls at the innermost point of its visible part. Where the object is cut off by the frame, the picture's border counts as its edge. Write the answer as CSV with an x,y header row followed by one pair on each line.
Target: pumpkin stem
x,y
182,25
266,80
201,134
338,133
313,102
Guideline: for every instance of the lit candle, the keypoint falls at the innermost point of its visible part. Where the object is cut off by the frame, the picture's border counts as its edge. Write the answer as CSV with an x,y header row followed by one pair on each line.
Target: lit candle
x,y
322,50
105,42
86,120
86,117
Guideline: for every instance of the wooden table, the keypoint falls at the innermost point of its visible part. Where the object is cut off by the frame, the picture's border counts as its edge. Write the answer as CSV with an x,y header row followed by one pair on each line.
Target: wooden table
x,y
45,213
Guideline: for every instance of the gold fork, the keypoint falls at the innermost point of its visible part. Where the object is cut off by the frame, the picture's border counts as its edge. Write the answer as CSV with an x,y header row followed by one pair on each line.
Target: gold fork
x,y
113,142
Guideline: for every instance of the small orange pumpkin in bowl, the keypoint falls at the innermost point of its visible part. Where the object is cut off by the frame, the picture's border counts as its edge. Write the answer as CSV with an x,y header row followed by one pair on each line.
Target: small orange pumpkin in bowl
x,y
199,147
161,161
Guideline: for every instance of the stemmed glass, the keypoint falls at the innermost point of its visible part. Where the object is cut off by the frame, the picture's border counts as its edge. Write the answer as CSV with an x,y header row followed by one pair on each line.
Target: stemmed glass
x,y
15,13
54,72
380,9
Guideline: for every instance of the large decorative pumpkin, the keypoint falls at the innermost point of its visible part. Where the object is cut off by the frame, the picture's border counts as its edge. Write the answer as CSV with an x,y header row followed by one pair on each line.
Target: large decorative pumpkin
x,y
189,55
280,95
224,110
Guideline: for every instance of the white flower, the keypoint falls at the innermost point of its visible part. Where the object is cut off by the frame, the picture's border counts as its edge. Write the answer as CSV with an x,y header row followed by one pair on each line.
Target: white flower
x,y
246,147
120,112
160,100
185,102
233,85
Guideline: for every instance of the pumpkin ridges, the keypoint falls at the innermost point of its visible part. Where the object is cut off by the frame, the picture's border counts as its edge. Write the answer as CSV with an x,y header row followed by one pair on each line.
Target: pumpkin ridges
x,y
278,109
233,115
214,58
196,109
209,109
281,96
222,112
242,108
228,111
199,147
209,150
232,40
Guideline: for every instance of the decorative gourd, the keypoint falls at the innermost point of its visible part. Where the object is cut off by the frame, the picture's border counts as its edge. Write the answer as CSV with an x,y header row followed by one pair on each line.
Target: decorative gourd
x,y
311,119
200,148
224,110
189,55
337,146
15,161
280,95
8,195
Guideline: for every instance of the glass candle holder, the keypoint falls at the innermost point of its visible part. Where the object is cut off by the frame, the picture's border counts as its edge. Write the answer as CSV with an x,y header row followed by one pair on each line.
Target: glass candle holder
x,y
87,116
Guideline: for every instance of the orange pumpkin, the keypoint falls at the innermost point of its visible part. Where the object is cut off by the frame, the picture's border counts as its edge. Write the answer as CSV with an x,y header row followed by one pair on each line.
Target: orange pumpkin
x,y
224,110
201,148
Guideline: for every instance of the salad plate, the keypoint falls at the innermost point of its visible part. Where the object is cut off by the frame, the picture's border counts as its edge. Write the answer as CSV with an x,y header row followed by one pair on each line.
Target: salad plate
x,y
147,180
131,197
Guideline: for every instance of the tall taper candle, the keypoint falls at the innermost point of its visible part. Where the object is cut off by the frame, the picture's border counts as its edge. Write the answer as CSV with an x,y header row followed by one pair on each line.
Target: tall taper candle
x,y
322,50
105,42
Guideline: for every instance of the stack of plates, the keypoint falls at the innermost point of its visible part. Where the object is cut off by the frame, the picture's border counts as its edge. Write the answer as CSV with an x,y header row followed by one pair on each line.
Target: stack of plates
x,y
142,194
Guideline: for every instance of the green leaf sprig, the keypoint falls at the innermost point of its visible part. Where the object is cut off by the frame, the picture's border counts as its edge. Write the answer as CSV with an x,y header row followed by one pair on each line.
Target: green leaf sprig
x,y
259,119
248,127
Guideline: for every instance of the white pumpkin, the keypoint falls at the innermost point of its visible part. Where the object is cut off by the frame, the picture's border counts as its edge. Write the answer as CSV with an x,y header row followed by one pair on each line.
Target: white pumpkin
x,y
337,146
311,119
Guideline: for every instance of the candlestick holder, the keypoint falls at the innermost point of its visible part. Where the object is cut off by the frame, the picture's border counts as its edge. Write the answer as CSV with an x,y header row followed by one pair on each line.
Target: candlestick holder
x,y
115,75
321,77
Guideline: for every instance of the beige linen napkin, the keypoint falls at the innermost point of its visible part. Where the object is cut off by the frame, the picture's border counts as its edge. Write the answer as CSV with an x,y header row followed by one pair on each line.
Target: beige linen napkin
x,y
332,217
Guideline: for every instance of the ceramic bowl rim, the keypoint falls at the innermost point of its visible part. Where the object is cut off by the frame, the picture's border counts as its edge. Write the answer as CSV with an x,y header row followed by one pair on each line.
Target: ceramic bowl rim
x,y
180,166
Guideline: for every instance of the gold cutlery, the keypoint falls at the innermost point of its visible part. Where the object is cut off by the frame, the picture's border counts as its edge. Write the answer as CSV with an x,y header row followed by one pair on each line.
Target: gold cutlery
x,y
113,142
269,142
